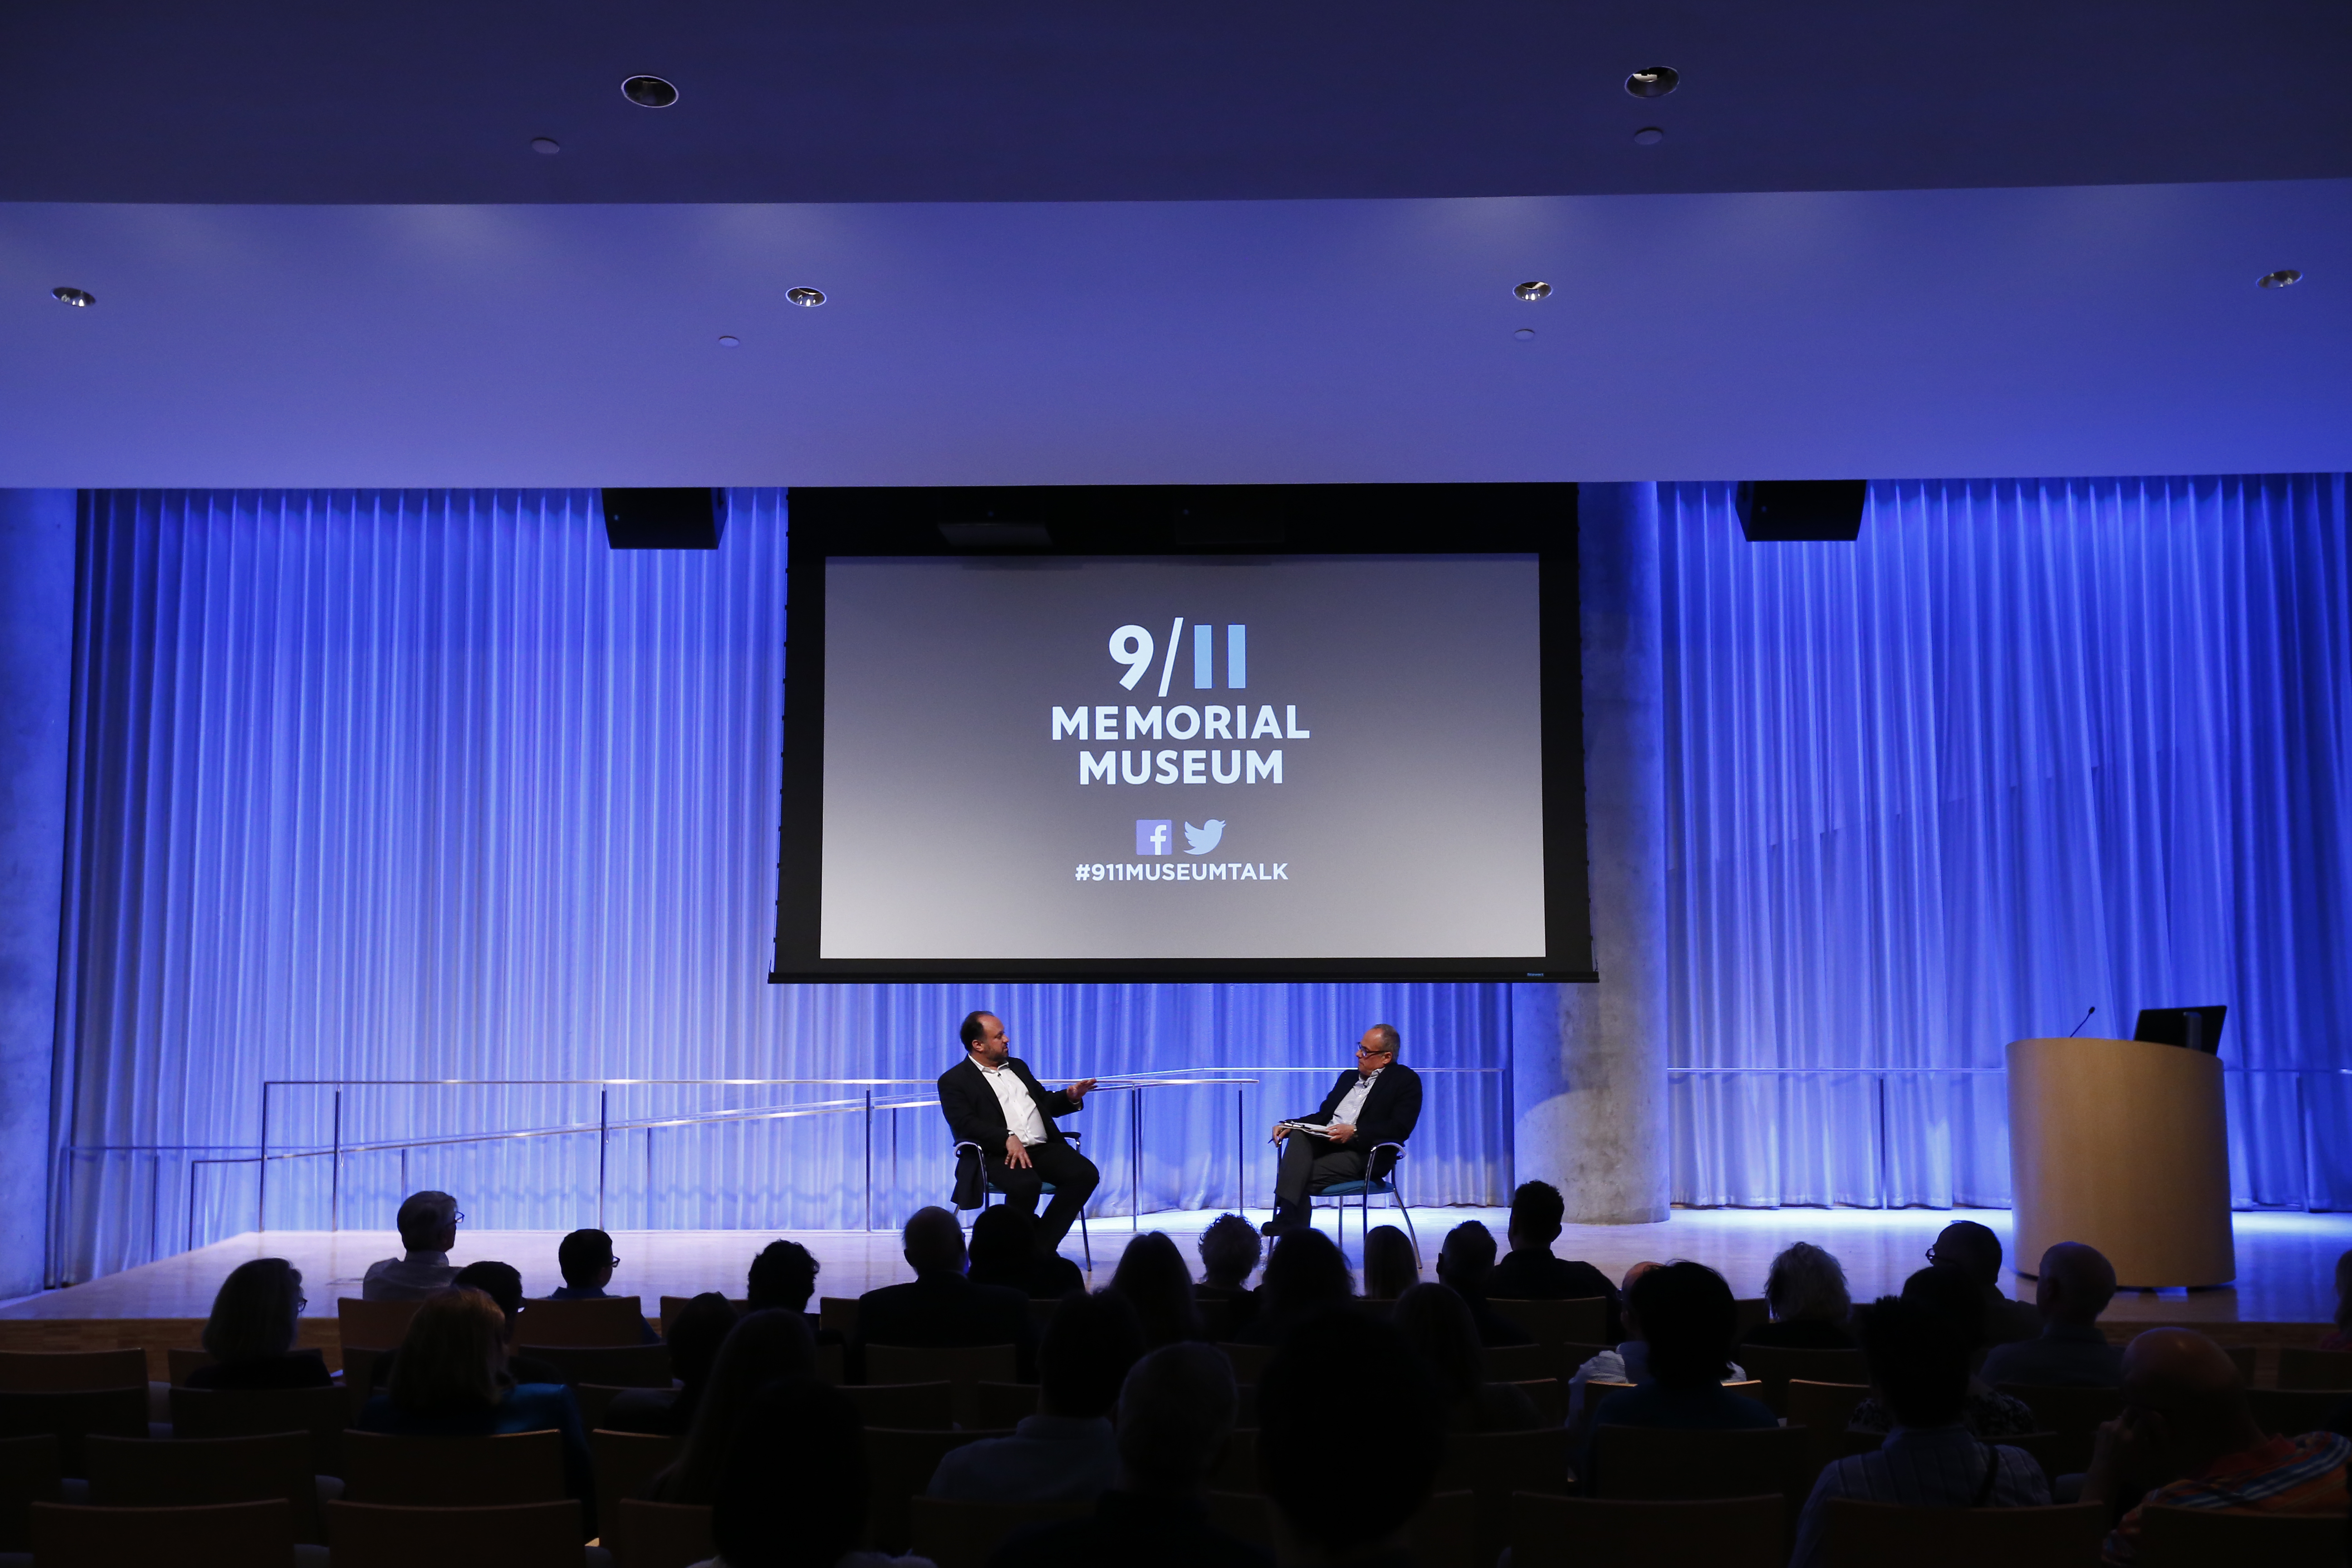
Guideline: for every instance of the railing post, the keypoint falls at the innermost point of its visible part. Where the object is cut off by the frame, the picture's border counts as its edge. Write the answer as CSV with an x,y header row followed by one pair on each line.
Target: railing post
x,y
335,1172
869,1159
603,1140
1135,1160
261,1179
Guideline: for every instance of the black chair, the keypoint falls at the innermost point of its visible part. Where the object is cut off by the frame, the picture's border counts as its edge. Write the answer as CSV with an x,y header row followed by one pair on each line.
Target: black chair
x,y
989,1188
1378,1181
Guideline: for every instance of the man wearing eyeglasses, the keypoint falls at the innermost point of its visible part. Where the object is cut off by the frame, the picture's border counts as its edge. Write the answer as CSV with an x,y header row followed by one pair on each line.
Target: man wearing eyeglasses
x,y
1376,1102
428,1228
992,1101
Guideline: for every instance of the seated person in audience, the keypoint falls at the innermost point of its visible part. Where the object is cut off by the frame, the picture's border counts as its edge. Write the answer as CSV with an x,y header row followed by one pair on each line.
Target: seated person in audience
x,y
2186,1439
2341,1340
1004,1252
942,1307
1305,1274
784,1278
1352,1429
1806,1291
1919,1367
695,1333
428,1228
1529,1272
502,1283
450,1381
1465,1262
1975,1251
586,1259
1436,1324
1176,1412
1951,1296
1389,1267
1152,1277
1687,1319
1066,1452
1229,1250
762,1348
793,1492
250,1334
2076,1284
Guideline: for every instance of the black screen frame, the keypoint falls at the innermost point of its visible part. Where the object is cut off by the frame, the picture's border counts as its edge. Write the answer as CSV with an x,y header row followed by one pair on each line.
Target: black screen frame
x,y
1537,519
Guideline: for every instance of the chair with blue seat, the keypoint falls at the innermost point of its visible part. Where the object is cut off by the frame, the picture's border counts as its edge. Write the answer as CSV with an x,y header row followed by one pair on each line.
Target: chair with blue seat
x,y
990,1189
1379,1179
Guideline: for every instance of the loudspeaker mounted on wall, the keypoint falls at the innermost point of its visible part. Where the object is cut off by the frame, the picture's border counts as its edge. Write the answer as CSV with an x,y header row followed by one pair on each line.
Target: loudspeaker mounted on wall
x,y
689,519
1781,510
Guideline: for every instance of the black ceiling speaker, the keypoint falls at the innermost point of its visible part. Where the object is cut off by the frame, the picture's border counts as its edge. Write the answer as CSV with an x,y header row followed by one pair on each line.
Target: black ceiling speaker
x,y
1781,510
664,519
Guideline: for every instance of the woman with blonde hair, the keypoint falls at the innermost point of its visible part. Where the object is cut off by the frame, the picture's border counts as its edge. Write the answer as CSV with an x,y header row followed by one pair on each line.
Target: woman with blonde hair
x,y
251,1331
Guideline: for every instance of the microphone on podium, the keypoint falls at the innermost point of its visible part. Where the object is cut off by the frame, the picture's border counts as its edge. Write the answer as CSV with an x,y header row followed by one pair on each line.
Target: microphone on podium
x,y
2078,1029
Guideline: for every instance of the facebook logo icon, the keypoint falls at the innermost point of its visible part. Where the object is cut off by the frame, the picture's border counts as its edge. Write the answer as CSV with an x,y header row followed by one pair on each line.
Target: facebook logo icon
x,y
1155,837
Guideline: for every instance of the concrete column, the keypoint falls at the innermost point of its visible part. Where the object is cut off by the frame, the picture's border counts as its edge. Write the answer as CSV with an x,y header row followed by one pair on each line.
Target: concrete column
x,y
37,604
1589,1062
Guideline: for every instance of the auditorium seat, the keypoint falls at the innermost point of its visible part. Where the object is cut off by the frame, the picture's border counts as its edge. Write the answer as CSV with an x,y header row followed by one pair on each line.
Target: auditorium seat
x,y
2300,1366
1712,1533
2200,1536
2246,1357
184,1472
1825,1407
2073,1414
1573,1354
659,1535
838,1314
594,1399
1754,1311
1582,1320
626,1463
832,1365
323,1413
966,1367
72,1415
1249,1361
597,1320
1874,1535
2291,1412
899,1466
60,1372
1520,1364
913,1406
453,1472
1549,1396
28,1474
527,1535
1658,1464
1005,1403
372,1325
185,1358
1774,1366
220,1535
1443,1534
1494,1465
954,1534
361,1365
671,1305
614,1366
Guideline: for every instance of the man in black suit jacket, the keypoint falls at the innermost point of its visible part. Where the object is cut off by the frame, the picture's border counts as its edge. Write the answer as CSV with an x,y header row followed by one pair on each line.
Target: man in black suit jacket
x,y
1379,1102
942,1308
991,1099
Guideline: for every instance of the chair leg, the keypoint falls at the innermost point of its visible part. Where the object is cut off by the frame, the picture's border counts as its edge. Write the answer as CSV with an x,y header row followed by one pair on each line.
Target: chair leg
x,y
1085,1241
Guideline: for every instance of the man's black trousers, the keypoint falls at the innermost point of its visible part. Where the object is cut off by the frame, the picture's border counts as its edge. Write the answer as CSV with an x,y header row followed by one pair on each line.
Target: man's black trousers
x,y
1074,1178
1308,1162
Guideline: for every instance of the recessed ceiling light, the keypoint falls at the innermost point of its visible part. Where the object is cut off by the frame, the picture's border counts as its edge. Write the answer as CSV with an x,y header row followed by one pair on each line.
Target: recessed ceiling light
x,y
1525,334
649,92
1532,291
1655,82
1648,136
73,296
809,297
2285,277
729,341
547,145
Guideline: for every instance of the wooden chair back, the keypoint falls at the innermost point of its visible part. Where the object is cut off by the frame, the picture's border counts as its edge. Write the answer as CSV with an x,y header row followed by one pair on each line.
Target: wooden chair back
x,y
525,1535
2198,1536
838,1314
221,1535
453,1472
1249,1361
1236,1469
1520,1364
598,1320
2291,1412
909,1406
185,1358
964,1367
74,1414
1492,1466
28,1474
595,1399
1870,1534
626,1463
1549,1396
1445,1533
1584,1320
967,1535
1754,1311
2073,1414
1659,1464
372,1325
671,1305
659,1534
63,1371
365,1370
899,1466
1828,1406
1006,1403
1720,1533
613,1366
1774,1367
187,1472
323,1413
2300,1366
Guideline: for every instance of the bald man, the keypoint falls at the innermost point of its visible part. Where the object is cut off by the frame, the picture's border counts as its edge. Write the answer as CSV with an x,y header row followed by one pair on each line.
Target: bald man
x,y
2187,1439
2076,1284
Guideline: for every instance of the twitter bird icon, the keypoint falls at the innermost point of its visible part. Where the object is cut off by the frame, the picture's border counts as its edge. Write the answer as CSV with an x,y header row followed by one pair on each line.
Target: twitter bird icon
x,y
1201,840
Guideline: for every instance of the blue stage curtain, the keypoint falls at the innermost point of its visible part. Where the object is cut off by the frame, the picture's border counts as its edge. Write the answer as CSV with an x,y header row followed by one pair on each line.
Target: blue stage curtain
x,y
434,784
2020,749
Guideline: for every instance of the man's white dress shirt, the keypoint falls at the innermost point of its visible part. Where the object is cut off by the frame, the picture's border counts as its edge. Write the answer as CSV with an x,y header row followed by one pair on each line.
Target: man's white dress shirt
x,y
410,1278
1022,1118
1353,1105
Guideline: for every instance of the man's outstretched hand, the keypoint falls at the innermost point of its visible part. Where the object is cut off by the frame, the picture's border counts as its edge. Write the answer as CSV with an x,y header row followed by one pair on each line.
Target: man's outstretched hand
x,y
1016,1153
1079,1090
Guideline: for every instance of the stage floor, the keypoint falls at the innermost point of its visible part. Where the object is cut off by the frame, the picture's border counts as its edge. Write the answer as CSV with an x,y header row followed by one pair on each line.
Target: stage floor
x,y
2285,1262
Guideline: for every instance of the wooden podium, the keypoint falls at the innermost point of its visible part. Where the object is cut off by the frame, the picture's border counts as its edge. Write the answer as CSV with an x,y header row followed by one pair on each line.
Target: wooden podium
x,y
2121,1144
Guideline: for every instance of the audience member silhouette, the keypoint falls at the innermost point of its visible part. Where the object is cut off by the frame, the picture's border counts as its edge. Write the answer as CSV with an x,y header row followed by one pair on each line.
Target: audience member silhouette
x,y
1974,1251
1305,1274
1687,1317
2076,1284
793,1490
1435,1322
1230,1249
1529,1272
1152,1277
1390,1268
2341,1340
941,1307
1176,1414
1806,1291
1463,1262
428,1222
502,1283
2187,1438
783,1276
1066,1452
1953,1298
1919,1367
761,1349
1351,1428
695,1332
250,1335
1004,1252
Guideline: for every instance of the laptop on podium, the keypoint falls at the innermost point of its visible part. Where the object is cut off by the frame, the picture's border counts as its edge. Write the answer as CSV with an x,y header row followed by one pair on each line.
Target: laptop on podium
x,y
2193,1028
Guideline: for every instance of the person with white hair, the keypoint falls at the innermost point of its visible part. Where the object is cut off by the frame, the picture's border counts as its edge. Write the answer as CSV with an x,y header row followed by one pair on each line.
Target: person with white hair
x,y
428,1225
1807,1293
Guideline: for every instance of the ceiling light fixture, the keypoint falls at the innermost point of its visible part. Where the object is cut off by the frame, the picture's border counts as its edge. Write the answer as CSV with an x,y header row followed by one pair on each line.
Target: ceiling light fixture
x,y
649,92
1532,291
77,297
546,144
811,298
1655,82
730,341
2285,277
1648,136
1525,334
